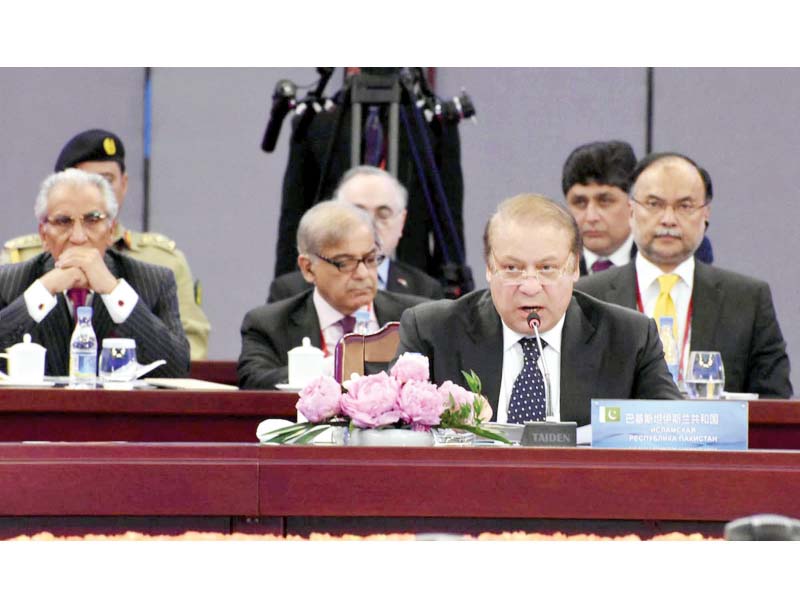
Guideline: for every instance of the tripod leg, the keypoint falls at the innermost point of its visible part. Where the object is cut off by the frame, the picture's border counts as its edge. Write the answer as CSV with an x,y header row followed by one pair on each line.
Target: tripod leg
x,y
355,135
394,130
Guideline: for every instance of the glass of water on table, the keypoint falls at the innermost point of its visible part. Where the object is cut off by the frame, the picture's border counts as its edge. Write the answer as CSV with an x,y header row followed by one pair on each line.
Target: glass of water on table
x,y
705,376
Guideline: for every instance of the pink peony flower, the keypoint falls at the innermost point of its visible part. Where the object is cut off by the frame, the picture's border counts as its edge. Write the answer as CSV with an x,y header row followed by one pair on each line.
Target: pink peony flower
x,y
371,401
411,366
421,404
461,396
320,399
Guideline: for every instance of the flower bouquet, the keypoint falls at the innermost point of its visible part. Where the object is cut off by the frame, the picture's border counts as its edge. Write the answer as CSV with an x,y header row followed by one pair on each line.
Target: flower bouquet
x,y
404,398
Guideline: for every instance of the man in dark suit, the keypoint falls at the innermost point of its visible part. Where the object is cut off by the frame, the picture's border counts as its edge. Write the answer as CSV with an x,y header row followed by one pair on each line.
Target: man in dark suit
x,y
381,195
77,212
714,309
593,349
340,256
595,181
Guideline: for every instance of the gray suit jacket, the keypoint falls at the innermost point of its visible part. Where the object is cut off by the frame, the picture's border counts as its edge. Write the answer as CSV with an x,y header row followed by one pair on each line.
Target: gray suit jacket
x,y
732,314
154,322
403,279
270,331
606,352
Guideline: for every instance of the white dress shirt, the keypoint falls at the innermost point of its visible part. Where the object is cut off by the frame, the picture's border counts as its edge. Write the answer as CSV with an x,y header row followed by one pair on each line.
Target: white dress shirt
x,y
329,324
383,274
513,360
621,256
119,303
647,275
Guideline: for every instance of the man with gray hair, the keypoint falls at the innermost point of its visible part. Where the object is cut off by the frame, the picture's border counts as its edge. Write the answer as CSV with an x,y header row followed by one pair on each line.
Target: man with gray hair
x,y
385,198
77,212
339,256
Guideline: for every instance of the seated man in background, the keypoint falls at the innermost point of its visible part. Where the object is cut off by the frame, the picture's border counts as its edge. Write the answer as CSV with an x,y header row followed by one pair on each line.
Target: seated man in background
x,y
595,181
532,247
713,309
385,198
339,255
101,152
77,212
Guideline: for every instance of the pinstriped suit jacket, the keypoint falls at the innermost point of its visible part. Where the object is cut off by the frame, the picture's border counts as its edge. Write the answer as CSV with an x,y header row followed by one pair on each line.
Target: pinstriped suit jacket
x,y
154,322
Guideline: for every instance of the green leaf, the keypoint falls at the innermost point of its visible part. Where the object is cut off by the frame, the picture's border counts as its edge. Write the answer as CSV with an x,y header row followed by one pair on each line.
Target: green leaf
x,y
473,381
311,434
485,433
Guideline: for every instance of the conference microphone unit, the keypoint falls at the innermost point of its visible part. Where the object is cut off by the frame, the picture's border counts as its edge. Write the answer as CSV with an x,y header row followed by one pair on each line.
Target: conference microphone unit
x,y
534,321
548,432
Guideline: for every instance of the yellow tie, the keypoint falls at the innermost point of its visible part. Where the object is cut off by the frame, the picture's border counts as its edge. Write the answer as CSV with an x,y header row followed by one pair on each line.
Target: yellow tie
x,y
665,307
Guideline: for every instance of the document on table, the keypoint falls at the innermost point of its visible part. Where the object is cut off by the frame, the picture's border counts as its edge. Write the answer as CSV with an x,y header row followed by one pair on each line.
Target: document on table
x,y
176,383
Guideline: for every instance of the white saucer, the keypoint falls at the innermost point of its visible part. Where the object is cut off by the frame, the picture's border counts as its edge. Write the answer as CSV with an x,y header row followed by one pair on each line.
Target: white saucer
x,y
285,387
12,383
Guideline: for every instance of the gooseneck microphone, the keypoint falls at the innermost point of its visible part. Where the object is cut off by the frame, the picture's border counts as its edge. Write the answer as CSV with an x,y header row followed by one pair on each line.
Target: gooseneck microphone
x,y
533,322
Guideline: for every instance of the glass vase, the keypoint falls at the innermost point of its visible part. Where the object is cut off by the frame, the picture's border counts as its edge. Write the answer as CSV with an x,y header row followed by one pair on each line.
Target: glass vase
x,y
453,437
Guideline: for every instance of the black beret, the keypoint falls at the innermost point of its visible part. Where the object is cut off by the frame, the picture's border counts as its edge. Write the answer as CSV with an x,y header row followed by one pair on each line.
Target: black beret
x,y
94,144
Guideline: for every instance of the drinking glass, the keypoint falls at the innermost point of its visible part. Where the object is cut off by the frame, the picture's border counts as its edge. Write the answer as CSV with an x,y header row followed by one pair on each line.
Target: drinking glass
x,y
705,376
118,363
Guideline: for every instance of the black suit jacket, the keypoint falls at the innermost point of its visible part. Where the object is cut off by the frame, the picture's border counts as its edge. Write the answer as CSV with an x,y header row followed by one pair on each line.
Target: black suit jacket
x,y
606,352
403,279
154,322
732,314
270,331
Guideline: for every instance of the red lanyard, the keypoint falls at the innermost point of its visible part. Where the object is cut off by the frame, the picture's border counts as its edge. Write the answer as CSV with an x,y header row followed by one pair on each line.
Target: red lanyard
x,y
640,306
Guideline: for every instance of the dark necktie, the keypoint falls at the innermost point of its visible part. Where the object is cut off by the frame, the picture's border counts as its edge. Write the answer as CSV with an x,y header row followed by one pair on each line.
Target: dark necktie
x,y
601,265
528,395
348,323
373,137
78,298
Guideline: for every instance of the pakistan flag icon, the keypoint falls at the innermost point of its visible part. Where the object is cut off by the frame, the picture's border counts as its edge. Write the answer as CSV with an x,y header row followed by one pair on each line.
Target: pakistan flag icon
x,y
610,414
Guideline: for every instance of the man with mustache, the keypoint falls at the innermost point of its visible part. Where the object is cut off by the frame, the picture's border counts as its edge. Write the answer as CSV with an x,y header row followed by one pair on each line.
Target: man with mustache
x,y
339,254
592,349
595,181
713,309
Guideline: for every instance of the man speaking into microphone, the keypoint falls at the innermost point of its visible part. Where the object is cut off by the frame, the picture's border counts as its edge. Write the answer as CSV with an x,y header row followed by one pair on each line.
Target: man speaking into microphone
x,y
532,249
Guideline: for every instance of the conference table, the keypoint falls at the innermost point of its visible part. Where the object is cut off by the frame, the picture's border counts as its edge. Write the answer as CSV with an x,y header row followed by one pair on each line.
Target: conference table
x,y
170,461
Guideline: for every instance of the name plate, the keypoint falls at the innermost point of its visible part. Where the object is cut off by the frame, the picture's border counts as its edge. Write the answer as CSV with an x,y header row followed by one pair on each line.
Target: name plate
x,y
549,433
670,424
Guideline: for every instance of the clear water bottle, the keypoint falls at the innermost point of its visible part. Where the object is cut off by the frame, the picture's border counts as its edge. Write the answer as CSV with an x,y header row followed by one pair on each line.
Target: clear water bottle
x,y
362,322
670,345
83,352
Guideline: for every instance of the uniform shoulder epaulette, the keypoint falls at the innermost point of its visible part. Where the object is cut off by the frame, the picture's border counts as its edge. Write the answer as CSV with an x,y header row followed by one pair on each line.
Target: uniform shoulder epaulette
x,y
156,239
32,240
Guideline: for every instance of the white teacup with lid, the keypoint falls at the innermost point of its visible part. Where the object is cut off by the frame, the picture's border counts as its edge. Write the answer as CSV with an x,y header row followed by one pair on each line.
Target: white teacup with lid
x,y
25,362
305,363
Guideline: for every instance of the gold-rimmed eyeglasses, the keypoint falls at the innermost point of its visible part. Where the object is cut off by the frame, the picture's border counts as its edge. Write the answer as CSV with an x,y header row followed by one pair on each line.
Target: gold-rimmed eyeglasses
x,y
91,221
684,208
511,273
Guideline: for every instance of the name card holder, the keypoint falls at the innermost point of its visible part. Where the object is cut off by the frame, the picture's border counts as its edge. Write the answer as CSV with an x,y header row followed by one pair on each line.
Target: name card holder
x,y
670,424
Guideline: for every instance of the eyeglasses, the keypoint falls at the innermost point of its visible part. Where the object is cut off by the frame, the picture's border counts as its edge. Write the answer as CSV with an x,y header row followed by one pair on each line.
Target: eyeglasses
x,y
350,264
512,274
91,221
684,208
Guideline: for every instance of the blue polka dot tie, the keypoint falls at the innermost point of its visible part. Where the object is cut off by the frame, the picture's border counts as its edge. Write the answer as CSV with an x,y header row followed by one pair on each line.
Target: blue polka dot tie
x,y
528,396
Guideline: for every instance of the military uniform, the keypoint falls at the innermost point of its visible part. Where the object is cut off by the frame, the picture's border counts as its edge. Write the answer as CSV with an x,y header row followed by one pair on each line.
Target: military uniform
x,y
152,248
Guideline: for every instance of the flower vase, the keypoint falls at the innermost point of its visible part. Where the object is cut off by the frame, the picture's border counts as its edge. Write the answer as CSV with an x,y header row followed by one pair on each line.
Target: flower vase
x,y
389,437
452,437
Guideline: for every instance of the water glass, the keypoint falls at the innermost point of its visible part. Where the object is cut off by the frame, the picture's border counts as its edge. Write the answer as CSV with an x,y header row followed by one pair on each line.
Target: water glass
x,y
118,363
705,376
